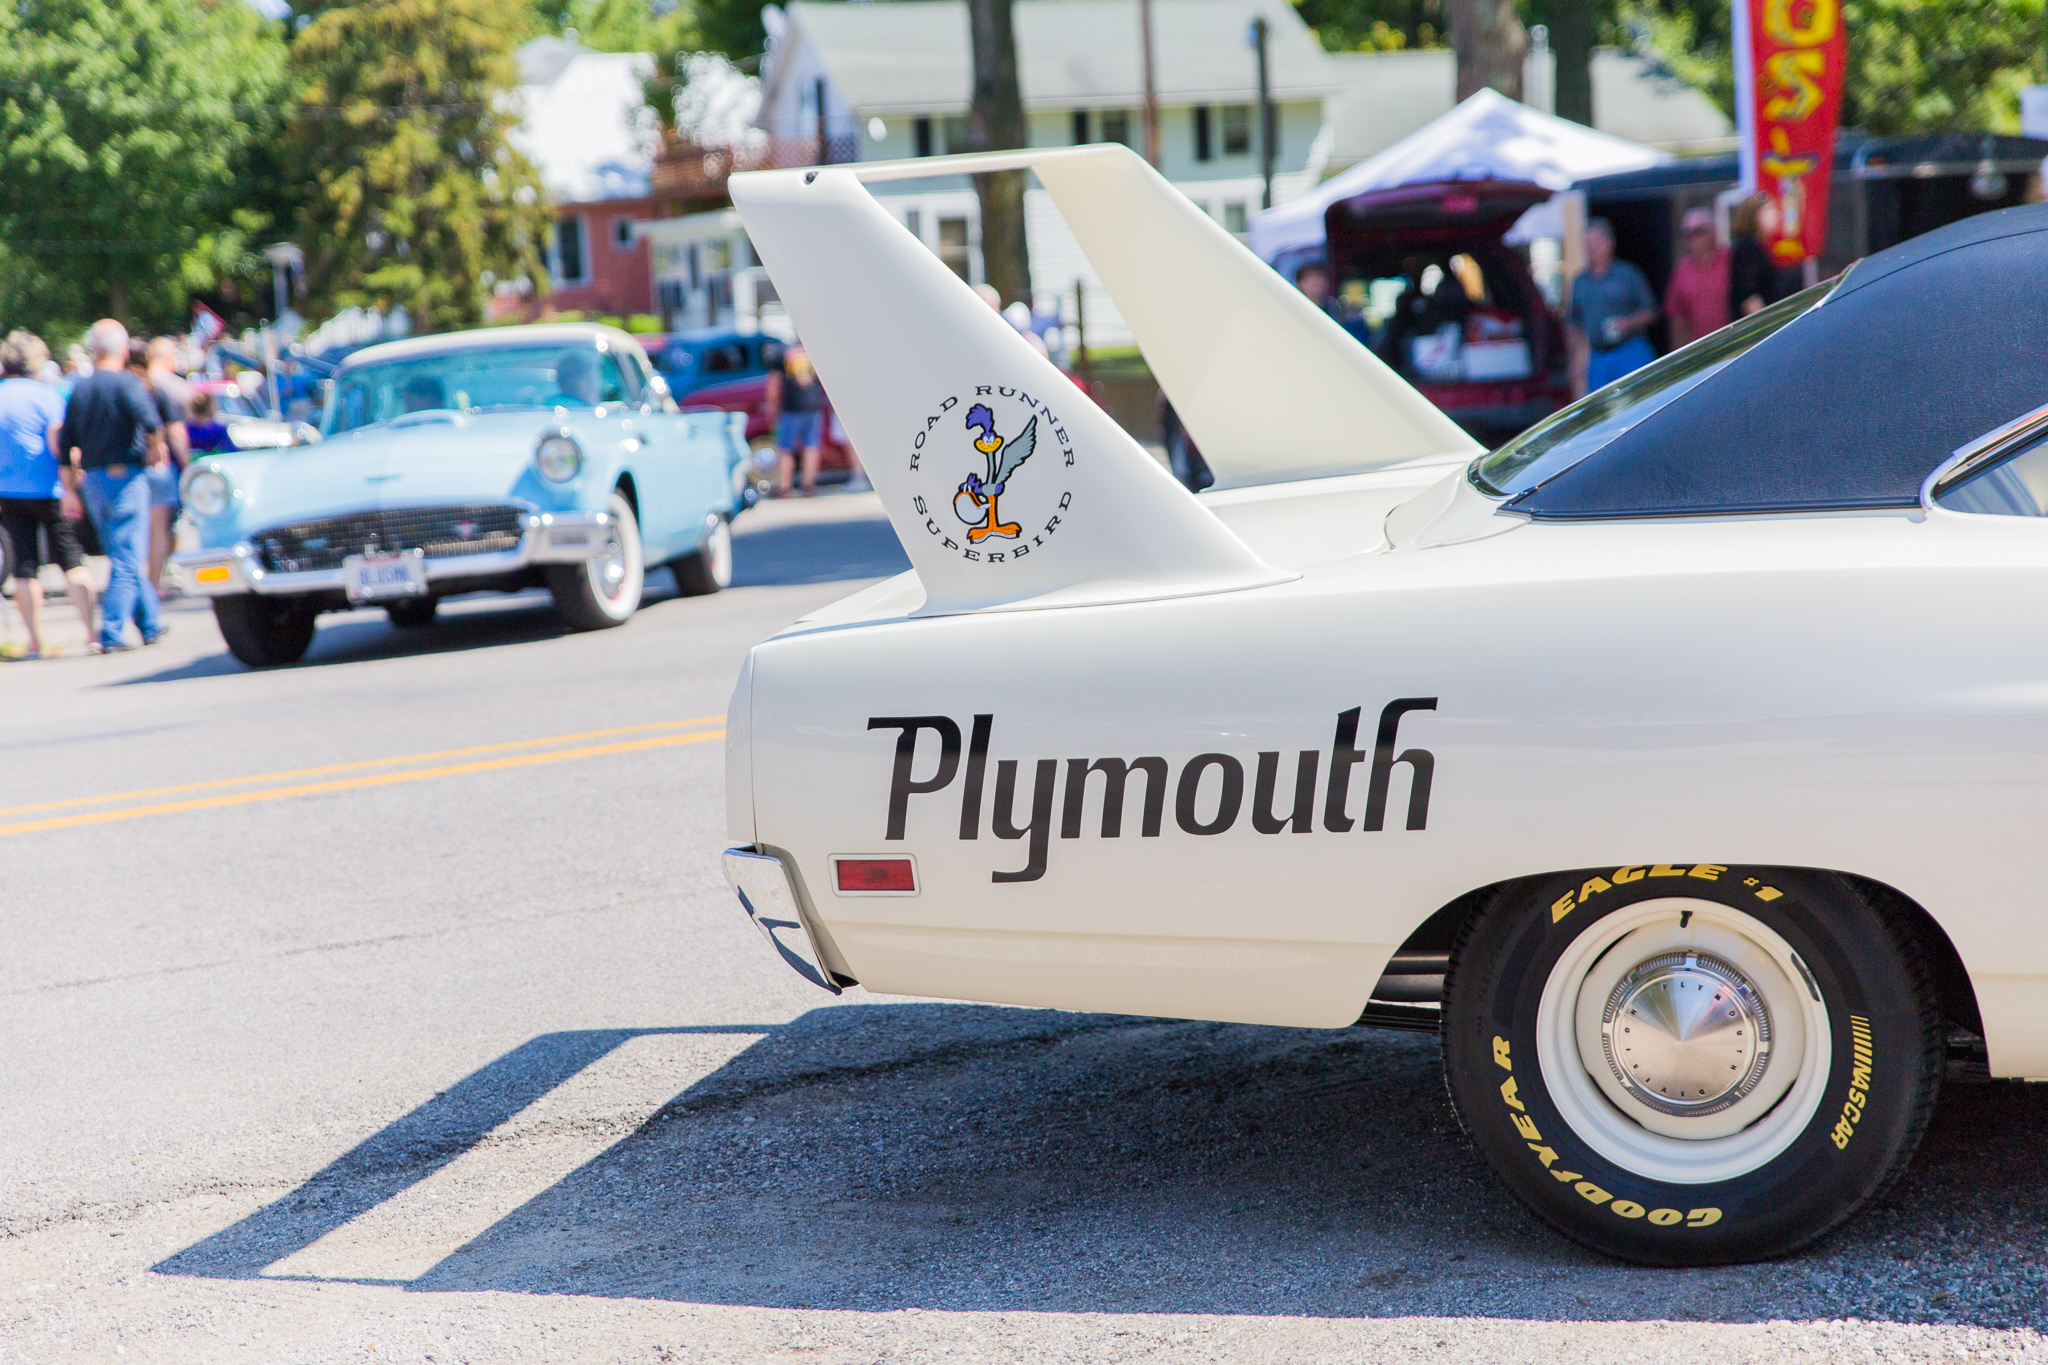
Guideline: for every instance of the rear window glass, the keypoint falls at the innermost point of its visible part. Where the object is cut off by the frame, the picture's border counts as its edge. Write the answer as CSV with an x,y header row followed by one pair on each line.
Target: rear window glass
x,y
1922,349
1571,434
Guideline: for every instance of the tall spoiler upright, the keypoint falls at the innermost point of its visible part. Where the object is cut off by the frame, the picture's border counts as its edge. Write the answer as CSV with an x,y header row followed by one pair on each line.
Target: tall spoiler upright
x,y
1268,385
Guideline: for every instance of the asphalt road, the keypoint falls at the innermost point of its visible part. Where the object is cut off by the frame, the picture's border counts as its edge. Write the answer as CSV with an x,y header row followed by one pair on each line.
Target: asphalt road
x,y
391,1007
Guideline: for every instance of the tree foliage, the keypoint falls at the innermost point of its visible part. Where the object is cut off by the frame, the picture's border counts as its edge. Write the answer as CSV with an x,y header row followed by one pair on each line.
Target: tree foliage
x,y
414,196
127,132
1921,67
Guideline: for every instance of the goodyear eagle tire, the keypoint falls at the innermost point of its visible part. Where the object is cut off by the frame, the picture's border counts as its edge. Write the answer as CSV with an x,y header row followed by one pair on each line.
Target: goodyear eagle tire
x,y
1690,1064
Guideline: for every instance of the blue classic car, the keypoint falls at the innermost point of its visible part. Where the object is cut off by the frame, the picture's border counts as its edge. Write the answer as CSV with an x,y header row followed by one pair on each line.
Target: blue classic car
x,y
544,456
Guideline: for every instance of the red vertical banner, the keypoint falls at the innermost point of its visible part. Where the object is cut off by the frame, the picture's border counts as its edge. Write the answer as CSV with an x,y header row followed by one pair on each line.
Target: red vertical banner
x,y
1790,56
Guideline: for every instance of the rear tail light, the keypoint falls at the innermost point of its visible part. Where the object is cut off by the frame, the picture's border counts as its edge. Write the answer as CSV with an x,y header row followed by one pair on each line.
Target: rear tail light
x,y
858,875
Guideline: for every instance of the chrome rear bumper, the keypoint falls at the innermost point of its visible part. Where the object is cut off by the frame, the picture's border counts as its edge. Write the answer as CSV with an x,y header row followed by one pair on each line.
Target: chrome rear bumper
x,y
770,900
548,538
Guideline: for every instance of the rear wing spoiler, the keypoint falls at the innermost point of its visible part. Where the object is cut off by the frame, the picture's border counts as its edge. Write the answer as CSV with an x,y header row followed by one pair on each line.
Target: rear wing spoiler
x,y
1007,485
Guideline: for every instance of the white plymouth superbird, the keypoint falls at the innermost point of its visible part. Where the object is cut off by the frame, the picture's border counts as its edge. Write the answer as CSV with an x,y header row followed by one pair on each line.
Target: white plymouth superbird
x,y
1684,761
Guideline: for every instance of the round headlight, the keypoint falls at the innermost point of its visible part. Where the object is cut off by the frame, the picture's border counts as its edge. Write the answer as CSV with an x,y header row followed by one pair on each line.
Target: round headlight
x,y
207,492
559,458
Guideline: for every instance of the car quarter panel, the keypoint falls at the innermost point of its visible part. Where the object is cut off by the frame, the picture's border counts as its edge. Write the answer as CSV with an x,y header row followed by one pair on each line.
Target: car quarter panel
x,y
1842,692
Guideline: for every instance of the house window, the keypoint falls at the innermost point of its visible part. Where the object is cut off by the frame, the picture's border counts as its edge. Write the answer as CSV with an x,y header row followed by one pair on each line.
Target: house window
x,y
571,265
921,130
1234,219
1203,149
1116,126
622,234
953,247
1237,129
914,221
1080,126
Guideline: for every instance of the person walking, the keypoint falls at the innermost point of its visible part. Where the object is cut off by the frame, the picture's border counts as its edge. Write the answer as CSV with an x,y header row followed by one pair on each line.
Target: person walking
x,y
174,405
37,500
1611,307
1697,301
111,434
796,405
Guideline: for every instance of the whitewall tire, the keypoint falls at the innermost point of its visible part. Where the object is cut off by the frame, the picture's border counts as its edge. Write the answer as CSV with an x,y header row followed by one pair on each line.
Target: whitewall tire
x,y
603,592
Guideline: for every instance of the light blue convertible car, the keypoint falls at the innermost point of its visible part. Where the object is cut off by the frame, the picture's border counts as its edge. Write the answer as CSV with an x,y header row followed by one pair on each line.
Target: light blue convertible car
x,y
496,460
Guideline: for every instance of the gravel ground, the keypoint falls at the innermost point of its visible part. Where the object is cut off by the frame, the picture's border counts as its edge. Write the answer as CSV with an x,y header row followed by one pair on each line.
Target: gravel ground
x,y
413,1083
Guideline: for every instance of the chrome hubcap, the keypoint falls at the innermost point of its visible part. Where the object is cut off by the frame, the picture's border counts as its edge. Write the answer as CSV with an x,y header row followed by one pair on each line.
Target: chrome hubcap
x,y
1687,1033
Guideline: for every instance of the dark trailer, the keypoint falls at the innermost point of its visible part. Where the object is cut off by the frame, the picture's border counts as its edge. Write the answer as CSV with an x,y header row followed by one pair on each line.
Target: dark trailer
x,y
1885,190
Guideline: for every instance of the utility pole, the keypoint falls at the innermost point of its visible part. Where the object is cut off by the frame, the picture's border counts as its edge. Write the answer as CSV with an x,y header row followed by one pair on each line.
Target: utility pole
x,y
284,258
1257,38
1151,106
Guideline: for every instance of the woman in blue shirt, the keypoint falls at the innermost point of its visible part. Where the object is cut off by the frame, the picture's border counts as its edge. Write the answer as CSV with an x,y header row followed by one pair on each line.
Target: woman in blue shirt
x,y
37,501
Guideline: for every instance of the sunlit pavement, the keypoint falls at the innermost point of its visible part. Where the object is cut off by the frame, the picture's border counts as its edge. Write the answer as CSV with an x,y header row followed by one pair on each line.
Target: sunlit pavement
x,y
390,1006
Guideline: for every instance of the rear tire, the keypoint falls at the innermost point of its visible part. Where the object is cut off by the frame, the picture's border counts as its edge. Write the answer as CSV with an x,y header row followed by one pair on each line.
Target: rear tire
x,y
601,593
1691,1065
265,632
413,612
707,568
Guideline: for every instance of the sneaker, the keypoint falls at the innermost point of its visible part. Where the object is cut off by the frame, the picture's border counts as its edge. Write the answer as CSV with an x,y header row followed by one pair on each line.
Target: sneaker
x,y
149,640
18,654
112,647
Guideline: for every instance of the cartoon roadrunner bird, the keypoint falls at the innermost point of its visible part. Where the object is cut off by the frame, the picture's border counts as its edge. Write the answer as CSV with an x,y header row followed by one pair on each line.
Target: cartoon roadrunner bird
x,y
975,503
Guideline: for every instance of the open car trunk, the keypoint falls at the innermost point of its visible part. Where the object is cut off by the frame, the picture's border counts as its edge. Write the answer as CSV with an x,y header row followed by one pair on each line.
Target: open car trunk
x,y
1447,305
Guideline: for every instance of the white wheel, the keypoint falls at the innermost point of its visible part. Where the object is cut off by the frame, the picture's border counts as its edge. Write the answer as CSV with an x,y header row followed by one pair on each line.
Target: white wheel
x,y
1679,1041
605,591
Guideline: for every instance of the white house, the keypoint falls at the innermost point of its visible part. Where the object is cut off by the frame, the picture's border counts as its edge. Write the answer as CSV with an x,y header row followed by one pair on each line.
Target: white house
x,y
885,81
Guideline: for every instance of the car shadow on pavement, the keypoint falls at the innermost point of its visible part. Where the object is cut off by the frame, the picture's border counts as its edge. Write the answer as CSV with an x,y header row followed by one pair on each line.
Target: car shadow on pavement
x,y
973,1158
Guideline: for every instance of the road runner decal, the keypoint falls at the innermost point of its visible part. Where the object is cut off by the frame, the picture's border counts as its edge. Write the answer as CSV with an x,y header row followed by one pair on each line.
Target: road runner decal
x,y
991,443
1208,794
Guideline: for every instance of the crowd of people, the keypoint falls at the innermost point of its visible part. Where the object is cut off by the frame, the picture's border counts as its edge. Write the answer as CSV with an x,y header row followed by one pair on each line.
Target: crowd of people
x,y
1612,308
100,443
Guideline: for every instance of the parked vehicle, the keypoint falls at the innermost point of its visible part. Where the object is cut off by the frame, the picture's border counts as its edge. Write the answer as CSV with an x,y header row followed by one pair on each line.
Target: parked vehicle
x,y
247,425
492,460
1678,763
1449,307
727,370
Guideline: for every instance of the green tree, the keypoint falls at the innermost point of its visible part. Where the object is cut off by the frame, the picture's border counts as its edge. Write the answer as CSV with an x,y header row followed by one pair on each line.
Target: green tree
x,y
413,195
1957,64
127,129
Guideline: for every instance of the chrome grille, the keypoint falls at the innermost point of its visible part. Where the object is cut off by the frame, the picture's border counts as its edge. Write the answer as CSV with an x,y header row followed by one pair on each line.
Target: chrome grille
x,y
442,532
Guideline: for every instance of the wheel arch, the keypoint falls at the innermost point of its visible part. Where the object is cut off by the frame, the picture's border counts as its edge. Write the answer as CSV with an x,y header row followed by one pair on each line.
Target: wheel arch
x,y
1432,940
627,489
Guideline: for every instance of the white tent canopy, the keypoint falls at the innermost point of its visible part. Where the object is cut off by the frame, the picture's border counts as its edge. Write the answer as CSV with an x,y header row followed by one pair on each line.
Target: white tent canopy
x,y
1488,137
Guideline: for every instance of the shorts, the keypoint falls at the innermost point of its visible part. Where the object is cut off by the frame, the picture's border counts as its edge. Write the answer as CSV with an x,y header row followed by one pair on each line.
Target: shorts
x,y
798,430
163,484
23,517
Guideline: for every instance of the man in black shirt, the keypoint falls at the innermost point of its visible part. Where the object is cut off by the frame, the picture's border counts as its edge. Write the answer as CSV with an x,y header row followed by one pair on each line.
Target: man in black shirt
x,y
111,434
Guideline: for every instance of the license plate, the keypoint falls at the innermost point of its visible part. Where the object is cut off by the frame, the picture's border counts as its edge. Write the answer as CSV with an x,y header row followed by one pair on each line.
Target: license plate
x,y
375,578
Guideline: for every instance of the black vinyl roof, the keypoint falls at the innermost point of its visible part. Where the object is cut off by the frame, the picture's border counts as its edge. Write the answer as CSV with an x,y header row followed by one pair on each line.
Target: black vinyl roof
x,y
1920,349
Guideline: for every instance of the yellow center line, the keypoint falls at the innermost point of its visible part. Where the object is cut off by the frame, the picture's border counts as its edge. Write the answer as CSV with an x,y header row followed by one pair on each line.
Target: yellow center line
x,y
361,763
348,783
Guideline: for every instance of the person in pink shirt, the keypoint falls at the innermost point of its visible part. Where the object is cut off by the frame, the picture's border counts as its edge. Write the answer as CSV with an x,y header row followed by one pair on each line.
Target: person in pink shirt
x,y
1696,300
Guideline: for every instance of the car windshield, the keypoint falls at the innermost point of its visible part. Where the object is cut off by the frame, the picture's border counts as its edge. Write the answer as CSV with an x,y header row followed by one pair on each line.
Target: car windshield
x,y
1566,437
566,375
